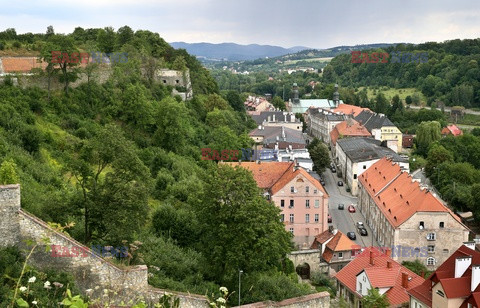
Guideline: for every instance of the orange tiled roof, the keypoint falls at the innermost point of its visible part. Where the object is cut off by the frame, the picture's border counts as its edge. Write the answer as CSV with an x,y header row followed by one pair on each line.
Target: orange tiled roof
x,y
396,195
452,129
266,174
290,174
348,128
339,242
453,287
321,238
379,275
275,175
350,109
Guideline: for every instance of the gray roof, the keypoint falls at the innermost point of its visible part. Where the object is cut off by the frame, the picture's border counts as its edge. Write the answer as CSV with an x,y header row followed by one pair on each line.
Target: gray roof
x,y
270,134
329,116
373,120
362,149
280,116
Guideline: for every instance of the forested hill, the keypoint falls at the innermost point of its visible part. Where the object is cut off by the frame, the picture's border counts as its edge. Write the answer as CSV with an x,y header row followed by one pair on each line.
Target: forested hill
x,y
451,74
121,160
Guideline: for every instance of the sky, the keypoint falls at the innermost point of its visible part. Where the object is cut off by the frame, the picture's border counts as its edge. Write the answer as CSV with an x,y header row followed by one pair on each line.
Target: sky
x,y
286,23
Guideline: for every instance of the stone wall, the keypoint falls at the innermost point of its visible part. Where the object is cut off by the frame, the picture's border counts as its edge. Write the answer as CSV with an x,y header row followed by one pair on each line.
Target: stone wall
x,y
89,269
311,257
317,300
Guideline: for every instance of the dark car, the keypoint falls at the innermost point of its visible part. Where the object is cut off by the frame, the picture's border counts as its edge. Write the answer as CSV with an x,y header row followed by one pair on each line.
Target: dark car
x,y
363,231
340,183
329,219
334,170
351,235
341,206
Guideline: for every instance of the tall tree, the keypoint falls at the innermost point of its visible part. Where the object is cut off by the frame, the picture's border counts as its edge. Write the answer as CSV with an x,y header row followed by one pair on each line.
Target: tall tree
x,y
427,133
233,237
113,186
64,46
106,39
320,156
381,103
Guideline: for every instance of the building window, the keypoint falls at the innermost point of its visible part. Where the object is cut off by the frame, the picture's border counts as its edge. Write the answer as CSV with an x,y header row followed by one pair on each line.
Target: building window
x,y
291,218
315,191
354,176
364,166
282,217
292,189
422,225
340,255
292,203
282,203
445,251
307,204
317,203
307,189
360,287
442,224
439,292
291,230
430,261
431,236
307,218
431,248
316,217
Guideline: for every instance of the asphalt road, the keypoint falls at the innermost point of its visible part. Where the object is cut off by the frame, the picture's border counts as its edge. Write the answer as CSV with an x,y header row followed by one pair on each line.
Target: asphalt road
x,y
343,220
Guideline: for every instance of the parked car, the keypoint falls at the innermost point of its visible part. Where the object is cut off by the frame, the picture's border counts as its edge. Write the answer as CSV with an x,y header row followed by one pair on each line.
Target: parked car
x,y
351,235
363,232
360,225
341,206
334,170
351,209
329,219
340,183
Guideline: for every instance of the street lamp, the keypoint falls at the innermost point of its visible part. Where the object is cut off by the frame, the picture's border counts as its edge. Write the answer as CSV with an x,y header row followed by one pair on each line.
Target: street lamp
x,y
240,272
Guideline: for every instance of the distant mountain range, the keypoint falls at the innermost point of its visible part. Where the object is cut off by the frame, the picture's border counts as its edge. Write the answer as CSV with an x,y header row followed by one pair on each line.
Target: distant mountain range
x,y
235,52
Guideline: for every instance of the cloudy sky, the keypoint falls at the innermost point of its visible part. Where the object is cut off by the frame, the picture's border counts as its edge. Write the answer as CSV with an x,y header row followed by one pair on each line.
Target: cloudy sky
x,y
287,23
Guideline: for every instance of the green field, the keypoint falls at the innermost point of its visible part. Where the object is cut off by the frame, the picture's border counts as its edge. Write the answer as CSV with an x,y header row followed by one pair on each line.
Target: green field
x,y
325,59
390,93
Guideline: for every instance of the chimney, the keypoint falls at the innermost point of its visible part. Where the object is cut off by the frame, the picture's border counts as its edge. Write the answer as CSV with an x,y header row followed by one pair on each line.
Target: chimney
x,y
461,265
389,264
371,258
388,252
475,277
405,280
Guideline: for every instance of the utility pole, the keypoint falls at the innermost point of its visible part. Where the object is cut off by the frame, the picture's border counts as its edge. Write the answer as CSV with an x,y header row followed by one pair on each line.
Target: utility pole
x,y
240,272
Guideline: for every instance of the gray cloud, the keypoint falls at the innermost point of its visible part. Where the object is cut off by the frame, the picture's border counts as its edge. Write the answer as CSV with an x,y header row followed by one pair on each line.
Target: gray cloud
x,y
312,23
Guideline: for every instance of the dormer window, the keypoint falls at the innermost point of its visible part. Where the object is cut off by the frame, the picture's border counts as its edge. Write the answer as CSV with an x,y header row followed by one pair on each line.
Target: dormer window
x,y
421,225
307,189
292,189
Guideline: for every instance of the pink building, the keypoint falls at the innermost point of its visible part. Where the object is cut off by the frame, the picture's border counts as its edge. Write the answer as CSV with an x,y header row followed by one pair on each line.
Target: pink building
x,y
302,199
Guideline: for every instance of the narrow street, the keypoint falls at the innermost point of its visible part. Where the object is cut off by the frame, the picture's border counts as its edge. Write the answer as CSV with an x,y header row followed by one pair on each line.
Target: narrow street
x,y
343,220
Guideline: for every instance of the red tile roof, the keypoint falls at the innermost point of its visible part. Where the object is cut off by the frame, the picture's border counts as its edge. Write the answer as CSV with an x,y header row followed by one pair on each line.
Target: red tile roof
x,y
397,195
452,129
350,109
266,174
275,175
453,287
321,238
379,275
348,128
